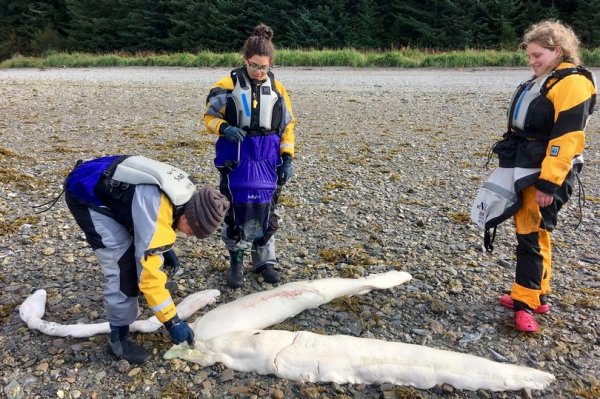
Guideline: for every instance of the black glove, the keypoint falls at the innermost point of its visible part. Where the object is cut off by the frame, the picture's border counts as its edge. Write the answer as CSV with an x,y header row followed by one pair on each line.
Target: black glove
x,y
180,331
234,134
284,171
171,262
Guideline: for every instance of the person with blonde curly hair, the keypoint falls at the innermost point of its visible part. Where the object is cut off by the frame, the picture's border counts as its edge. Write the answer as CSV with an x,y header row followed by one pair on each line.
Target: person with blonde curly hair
x,y
544,142
251,113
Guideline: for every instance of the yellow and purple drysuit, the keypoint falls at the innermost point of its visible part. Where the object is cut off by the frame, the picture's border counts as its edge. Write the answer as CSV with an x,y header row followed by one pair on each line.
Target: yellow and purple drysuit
x,y
542,150
249,169
127,207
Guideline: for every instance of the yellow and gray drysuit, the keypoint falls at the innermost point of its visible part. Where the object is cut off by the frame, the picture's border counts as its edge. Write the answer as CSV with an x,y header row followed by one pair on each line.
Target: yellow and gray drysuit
x,y
544,146
248,169
127,207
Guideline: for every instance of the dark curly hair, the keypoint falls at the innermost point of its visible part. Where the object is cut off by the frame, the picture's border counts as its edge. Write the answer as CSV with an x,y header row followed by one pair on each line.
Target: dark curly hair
x,y
260,43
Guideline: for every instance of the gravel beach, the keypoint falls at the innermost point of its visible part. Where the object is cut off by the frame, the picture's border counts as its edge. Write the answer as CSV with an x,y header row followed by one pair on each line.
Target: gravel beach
x,y
388,163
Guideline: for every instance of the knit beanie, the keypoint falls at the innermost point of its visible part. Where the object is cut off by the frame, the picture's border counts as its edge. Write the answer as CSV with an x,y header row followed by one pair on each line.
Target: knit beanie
x,y
205,211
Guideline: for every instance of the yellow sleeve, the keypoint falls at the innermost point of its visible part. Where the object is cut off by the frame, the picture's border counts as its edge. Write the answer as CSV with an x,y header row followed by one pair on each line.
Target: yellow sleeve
x,y
215,105
571,98
288,138
152,278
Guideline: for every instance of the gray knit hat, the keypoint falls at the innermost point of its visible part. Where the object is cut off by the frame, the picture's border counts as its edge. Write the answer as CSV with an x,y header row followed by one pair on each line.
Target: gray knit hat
x,y
205,211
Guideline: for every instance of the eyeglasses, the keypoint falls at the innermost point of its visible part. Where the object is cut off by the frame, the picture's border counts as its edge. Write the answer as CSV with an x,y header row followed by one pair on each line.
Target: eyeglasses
x,y
256,68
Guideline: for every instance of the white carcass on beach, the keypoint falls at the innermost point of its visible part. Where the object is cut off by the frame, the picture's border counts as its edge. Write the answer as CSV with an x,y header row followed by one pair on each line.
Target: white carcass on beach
x,y
234,334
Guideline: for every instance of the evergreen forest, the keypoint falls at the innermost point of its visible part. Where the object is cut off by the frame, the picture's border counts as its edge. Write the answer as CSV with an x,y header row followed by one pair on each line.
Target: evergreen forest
x,y
102,26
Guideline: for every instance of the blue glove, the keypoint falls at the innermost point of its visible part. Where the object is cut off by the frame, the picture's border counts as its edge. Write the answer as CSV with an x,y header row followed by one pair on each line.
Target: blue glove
x,y
234,134
171,262
284,171
180,331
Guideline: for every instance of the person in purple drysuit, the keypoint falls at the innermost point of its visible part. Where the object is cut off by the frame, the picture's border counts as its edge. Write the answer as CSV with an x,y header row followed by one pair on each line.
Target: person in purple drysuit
x,y
252,114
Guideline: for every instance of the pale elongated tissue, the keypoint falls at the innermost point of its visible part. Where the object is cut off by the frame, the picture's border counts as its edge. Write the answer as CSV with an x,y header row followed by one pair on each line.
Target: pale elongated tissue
x,y
266,308
33,308
304,356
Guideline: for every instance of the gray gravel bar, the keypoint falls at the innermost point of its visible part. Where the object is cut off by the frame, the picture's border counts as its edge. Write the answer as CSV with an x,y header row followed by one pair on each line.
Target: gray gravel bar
x,y
388,162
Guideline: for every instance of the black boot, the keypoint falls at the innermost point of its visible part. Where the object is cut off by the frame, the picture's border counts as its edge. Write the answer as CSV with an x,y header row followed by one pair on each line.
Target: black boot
x,y
269,274
123,347
235,274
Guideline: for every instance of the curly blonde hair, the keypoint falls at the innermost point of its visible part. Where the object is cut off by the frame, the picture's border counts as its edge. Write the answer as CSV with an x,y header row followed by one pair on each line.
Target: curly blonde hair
x,y
551,34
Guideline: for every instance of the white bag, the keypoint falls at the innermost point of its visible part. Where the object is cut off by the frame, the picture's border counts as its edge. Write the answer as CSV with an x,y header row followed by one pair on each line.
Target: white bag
x,y
499,199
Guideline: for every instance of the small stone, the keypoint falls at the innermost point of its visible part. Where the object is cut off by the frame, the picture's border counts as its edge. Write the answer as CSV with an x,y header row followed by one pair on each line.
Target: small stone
x,y
277,394
123,366
456,286
226,375
42,367
238,390
134,372
13,390
447,389
483,394
60,394
199,377
421,331
438,306
469,338
48,251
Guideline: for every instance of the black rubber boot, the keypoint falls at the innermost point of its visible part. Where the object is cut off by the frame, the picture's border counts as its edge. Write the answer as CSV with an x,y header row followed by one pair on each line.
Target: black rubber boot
x,y
235,274
123,347
269,274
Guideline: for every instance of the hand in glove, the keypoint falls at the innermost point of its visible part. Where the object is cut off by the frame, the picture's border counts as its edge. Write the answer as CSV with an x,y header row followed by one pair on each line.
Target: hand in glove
x,y
284,171
180,331
234,134
171,262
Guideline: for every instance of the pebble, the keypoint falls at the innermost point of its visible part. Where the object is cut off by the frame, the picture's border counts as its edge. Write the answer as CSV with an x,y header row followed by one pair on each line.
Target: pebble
x,y
483,394
134,371
497,357
48,251
469,338
123,366
226,375
13,390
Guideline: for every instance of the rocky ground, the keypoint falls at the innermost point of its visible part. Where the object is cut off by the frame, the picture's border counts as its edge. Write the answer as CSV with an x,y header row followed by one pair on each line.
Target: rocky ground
x,y
388,162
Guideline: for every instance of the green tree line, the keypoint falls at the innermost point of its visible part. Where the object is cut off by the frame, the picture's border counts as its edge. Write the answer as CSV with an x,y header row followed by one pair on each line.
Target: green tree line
x,y
100,26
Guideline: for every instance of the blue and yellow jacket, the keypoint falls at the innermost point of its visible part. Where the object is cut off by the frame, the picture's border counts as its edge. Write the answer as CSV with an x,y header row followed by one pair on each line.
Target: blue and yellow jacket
x,y
145,211
215,117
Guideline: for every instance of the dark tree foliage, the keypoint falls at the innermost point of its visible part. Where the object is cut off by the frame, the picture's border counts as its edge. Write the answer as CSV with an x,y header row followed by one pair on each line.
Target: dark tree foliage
x,y
32,27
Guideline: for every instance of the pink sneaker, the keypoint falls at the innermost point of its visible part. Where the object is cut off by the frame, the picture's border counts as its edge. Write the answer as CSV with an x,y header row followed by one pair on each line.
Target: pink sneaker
x,y
524,321
507,302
